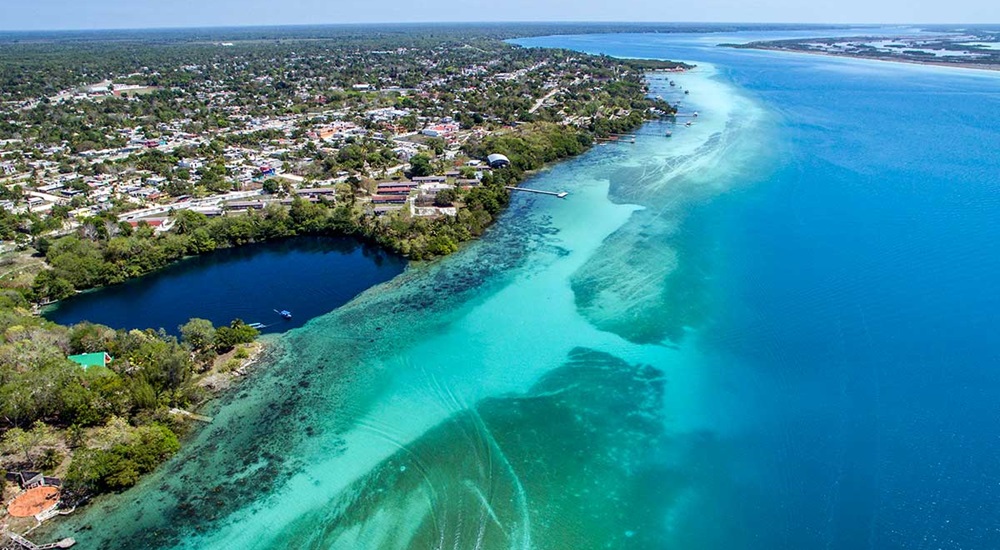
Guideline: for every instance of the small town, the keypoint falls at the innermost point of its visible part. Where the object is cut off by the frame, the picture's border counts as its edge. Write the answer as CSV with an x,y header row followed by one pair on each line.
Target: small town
x,y
407,140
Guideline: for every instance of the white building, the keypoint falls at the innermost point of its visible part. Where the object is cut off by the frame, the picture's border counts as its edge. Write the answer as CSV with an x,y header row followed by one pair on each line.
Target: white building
x,y
497,160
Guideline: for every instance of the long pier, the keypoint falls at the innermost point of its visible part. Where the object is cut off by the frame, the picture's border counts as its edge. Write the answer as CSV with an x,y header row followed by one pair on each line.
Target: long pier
x,y
560,194
25,543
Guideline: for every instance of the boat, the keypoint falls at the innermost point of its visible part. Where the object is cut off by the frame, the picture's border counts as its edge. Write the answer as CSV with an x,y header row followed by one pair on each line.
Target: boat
x,y
686,92
285,314
669,133
687,123
694,114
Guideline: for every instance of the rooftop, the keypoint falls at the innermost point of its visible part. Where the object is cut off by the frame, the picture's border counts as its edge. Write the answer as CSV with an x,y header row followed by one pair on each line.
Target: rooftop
x,y
87,360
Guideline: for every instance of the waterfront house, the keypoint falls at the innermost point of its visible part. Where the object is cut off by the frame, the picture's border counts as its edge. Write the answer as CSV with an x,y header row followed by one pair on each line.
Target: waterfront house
x,y
28,480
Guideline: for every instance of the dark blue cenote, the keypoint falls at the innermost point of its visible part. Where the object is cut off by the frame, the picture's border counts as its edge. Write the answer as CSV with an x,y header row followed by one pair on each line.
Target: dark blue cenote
x,y
308,276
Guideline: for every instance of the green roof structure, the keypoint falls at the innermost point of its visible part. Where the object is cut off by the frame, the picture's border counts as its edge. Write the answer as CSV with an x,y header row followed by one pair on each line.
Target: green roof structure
x,y
87,360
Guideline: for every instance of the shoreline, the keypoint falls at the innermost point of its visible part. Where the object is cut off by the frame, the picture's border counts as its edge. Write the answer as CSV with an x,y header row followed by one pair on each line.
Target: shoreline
x,y
216,382
364,233
972,66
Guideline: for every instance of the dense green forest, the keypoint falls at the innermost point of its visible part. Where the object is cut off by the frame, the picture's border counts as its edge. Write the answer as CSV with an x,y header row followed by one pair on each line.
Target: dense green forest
x,y
113,421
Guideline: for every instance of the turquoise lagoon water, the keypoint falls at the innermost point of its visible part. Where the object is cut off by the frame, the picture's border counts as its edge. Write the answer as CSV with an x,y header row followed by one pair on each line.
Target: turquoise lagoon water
x,y
772,330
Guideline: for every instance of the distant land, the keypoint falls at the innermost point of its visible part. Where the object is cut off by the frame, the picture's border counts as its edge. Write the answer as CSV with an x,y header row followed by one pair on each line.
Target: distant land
x,y
976,48
495,30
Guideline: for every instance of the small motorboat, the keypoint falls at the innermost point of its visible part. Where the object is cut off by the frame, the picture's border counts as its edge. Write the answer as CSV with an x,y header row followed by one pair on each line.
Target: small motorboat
x,y
669,133
285,314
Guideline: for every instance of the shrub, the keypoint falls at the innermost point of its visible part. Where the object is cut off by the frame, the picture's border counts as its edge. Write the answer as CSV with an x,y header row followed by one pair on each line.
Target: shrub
x,y
95,471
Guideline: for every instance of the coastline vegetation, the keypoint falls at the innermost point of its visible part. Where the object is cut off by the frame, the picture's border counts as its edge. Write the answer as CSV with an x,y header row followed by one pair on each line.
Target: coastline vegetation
x,y
100,427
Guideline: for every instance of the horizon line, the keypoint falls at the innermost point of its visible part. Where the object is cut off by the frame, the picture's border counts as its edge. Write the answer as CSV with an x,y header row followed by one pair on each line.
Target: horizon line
x,y
495,23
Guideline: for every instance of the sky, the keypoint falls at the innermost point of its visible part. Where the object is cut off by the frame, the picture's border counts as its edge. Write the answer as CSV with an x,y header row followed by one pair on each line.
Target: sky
x,y
109,14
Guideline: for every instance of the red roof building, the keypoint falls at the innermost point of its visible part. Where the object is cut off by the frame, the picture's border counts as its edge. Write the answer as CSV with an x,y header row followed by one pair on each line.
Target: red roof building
x,y
389,199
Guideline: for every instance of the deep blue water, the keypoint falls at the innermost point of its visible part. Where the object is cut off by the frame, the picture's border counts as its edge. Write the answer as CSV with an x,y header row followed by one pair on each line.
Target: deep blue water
x,y
856,304
308,276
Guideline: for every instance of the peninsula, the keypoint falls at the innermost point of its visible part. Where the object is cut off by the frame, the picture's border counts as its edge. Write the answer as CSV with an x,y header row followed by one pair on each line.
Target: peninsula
x,y
965,47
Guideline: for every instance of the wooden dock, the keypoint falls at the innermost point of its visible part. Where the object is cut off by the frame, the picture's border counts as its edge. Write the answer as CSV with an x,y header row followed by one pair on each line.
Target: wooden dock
x,y
191,415
560,194
617,138
25,543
